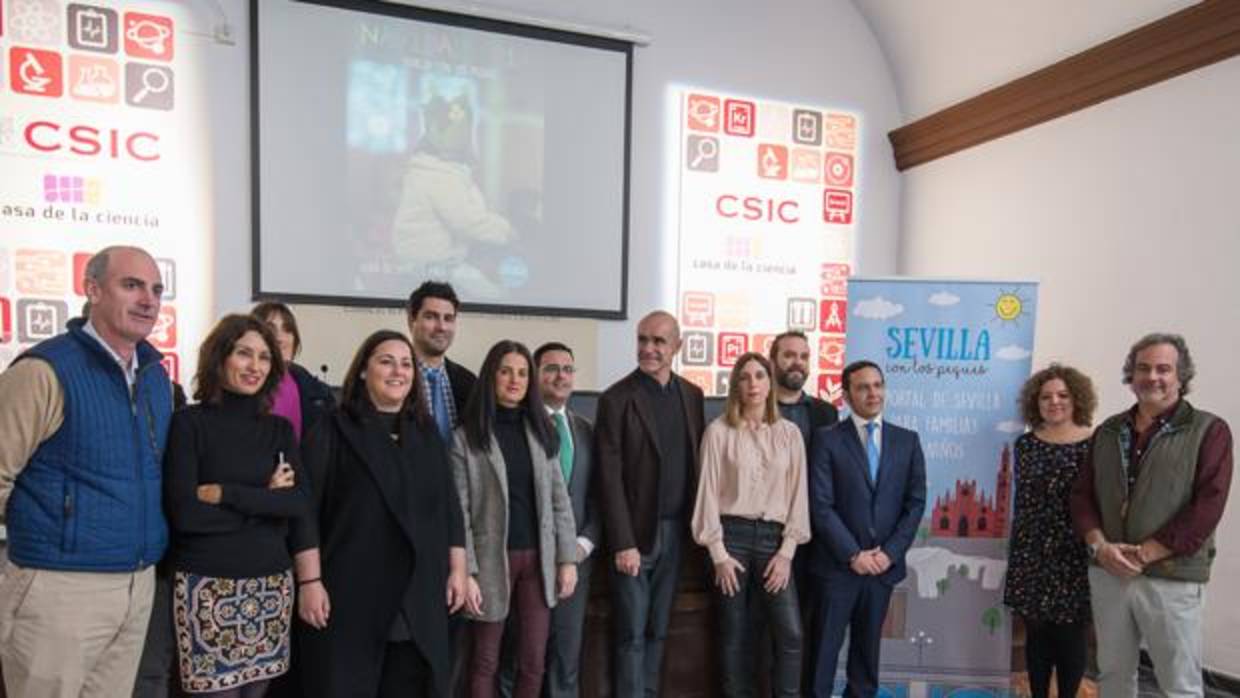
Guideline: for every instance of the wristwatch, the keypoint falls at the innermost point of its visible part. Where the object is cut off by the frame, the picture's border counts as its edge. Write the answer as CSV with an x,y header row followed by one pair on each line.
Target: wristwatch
x,y
1093,550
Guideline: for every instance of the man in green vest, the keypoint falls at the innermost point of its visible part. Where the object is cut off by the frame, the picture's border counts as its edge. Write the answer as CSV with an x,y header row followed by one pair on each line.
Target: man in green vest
x,y
1147,503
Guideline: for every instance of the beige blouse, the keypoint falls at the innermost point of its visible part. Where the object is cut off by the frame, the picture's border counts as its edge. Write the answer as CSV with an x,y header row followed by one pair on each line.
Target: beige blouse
x,y
752,474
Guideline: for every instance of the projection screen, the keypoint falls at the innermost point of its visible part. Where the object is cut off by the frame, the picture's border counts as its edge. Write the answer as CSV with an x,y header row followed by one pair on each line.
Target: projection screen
x,y
394,144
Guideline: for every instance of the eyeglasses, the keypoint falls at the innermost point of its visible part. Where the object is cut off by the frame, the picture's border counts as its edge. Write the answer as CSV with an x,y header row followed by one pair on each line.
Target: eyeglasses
x,y
566,369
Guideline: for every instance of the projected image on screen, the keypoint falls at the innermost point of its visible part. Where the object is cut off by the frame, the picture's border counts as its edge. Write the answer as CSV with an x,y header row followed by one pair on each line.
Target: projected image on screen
x,y
492,161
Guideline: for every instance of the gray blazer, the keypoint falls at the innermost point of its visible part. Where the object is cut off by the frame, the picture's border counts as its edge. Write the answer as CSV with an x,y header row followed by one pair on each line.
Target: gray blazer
x,y
482,483
579,483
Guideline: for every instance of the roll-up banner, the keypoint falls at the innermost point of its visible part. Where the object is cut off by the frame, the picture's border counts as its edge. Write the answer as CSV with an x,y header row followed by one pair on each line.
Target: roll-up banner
x,y
954,354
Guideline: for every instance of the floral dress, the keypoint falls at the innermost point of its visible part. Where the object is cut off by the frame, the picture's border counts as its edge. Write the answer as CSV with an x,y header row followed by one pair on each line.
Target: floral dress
x,y
1047,577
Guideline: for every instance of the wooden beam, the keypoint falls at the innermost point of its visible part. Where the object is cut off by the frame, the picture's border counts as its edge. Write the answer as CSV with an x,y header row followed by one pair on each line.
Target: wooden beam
x,y
1192,38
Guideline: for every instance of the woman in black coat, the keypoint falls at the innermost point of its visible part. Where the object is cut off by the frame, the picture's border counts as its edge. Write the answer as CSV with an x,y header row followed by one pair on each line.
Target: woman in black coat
x,y
382,566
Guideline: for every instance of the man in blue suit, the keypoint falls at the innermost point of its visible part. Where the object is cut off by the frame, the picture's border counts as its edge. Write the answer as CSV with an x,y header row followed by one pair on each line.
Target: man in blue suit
x,y
867,490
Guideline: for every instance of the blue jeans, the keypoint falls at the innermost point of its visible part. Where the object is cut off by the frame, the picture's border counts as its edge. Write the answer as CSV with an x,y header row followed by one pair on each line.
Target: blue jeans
x,y
642,611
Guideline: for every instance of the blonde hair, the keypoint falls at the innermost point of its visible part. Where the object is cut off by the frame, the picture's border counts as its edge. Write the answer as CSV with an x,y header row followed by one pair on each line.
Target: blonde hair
x,y
732,408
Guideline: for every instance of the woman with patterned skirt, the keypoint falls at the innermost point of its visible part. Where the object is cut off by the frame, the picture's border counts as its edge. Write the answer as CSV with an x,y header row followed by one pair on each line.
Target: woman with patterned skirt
x,y
1047,579
232,483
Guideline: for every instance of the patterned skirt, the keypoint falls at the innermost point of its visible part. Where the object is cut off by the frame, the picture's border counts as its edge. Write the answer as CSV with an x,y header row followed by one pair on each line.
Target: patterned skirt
x,y
231,632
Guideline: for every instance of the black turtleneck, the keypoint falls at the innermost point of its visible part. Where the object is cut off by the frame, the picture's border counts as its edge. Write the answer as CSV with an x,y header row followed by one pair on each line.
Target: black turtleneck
x,y
522,510
232,445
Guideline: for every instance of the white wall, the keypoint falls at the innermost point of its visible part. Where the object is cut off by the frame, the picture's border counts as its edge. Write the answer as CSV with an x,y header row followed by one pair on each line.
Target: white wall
x,y
1126,213
810,51
946,51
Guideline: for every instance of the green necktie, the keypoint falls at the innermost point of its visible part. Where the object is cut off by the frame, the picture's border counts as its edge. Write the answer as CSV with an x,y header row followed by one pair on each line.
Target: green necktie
x,y
566,445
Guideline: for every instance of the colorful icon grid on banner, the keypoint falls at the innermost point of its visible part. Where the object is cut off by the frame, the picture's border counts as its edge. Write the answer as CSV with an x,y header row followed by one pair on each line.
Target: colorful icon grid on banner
x,y
767,221
88,94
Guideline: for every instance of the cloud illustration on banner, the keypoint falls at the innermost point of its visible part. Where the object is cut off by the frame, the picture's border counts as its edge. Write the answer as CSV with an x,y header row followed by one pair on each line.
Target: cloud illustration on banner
x,y
1013,352
944,298
878,308
1010,427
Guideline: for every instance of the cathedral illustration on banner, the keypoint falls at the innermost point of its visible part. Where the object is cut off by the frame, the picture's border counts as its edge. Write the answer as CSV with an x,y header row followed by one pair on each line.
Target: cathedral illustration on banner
x,y
970,512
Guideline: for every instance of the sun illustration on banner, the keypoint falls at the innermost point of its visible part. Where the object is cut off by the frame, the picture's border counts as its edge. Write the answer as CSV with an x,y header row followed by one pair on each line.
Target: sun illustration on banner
x,y
1009,307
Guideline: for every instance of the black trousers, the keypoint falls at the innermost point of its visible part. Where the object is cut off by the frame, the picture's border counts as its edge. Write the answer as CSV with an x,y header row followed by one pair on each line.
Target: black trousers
x,y
155,668
406,673
1061,648
753,544
642,612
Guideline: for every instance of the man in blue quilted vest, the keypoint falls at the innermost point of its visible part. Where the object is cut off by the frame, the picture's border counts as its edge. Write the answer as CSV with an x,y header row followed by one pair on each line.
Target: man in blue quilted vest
x,y
83,419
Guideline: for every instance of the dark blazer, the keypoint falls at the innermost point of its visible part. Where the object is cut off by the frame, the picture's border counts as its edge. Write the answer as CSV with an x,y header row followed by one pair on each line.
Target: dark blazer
x,y
580,492
387,515
317,400
627,453
849,512
821,413
462,381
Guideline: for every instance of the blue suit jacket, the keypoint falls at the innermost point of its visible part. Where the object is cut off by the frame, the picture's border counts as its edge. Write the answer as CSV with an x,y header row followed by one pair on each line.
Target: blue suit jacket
x,y
849,512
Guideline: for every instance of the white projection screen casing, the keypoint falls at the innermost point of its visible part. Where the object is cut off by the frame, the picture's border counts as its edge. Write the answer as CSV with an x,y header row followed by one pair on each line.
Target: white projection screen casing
x,y
395,144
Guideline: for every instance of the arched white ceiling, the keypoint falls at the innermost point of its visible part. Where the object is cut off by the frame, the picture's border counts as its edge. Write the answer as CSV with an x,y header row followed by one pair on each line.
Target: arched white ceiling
x,y
945,51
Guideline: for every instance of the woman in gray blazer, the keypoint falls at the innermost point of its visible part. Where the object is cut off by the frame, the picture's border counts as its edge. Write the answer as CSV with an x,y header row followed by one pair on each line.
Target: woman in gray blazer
x,y
520,538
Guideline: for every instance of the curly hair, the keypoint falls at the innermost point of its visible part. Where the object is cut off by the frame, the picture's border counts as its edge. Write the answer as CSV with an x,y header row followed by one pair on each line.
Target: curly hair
x,y
1080,387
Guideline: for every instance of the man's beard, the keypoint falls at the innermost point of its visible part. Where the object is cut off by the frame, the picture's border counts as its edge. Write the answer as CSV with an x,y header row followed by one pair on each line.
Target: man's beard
x,y
791,380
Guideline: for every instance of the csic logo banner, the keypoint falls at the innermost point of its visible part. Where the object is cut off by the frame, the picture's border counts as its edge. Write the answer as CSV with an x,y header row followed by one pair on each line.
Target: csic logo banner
x,y
99,146
767,231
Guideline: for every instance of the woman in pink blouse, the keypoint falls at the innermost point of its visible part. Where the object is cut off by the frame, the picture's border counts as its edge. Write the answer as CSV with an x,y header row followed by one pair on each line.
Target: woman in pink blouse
x,y
751,514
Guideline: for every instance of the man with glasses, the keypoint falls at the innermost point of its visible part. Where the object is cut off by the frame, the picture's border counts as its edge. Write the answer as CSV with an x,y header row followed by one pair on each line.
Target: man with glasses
x,y
556,373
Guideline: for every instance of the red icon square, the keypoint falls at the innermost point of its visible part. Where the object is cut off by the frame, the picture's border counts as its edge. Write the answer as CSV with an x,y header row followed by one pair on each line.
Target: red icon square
x,y
33,71
838,170
841,131
41,272
701,378
6,321
837,206
772,161
762,343
703,113
698,309
738,117
172,364
164,334
79,272
833,316
94,79
731,346
831,388
148,36
833,280
830,353
806,165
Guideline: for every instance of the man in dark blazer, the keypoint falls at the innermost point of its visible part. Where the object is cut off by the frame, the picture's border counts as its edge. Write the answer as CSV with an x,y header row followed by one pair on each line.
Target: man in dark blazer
x,y
432,315
867,489
647,431
556,373
790,362
790,357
